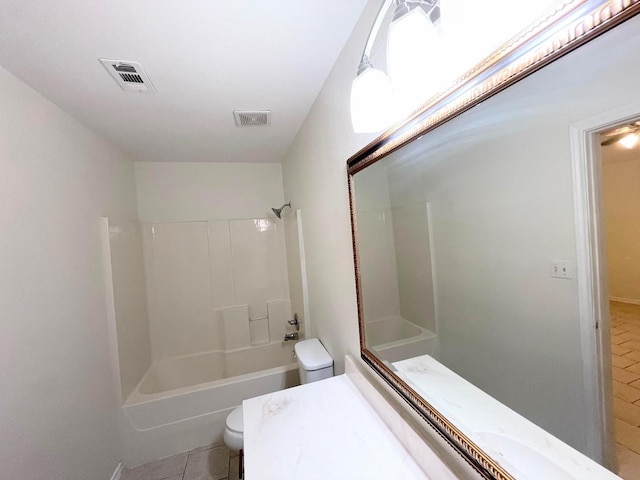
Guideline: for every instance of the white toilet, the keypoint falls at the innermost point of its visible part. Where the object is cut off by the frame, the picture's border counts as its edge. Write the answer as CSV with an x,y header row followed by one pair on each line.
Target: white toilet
x,y
233,430
314,363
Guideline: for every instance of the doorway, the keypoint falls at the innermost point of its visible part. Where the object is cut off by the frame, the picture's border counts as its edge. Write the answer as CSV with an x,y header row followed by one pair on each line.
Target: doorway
x,y
620,212
601,331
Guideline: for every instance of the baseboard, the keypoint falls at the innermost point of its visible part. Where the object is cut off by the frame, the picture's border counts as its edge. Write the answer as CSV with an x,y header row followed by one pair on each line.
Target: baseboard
x,y
117,473
632,301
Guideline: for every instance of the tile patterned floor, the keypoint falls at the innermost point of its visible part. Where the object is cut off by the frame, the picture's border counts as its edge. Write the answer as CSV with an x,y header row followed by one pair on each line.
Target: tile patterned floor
x,y
625,349
205,463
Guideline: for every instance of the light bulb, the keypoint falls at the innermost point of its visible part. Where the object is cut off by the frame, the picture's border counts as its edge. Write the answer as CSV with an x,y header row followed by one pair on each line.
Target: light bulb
x,y
414,57
372,105
629,141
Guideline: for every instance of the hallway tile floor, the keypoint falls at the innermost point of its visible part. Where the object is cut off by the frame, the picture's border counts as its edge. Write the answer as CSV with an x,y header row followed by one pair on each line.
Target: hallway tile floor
x,y
205,463
625,359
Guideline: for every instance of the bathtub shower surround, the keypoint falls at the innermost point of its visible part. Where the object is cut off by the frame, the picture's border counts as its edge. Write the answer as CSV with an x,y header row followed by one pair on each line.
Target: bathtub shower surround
x,y
397,280
395,251
211,305
128,300
216,285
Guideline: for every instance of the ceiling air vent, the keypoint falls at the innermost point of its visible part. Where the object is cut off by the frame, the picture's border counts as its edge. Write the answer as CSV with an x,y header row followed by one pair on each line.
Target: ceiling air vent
x,y
254,118
129,75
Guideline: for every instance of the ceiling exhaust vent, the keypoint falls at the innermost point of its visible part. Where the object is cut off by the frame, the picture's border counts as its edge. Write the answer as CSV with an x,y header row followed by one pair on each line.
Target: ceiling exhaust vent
x,y
254,118
129,75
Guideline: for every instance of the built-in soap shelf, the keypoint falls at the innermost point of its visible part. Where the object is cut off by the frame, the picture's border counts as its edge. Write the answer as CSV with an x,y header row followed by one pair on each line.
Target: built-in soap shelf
x,y
259,330
241,331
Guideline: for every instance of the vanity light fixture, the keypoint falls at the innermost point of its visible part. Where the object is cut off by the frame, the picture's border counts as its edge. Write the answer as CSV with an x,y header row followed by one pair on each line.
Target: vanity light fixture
x,y
629,141
378,101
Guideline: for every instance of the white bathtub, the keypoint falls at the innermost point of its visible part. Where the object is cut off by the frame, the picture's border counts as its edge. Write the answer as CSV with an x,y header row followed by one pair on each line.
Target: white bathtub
x,y
182,403
395,338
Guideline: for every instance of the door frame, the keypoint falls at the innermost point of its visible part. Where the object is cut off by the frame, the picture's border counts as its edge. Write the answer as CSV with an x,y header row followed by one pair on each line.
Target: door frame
x,y
592,280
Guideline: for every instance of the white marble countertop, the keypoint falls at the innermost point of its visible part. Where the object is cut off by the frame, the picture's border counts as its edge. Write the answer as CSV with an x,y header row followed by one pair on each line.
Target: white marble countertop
x,y
321,430
522,448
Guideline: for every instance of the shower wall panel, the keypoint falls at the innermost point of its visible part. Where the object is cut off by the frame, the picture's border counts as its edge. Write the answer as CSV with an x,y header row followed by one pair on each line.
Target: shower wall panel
x,y
413,259
377,255
180,297
209,284
129,302
221,264
294,273
259,268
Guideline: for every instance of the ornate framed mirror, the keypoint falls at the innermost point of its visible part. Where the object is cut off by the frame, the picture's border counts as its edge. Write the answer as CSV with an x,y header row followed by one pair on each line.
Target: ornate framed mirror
x,y
459,215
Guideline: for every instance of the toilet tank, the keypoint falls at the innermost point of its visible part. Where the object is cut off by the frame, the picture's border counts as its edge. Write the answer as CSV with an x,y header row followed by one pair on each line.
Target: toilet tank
x,y
314,362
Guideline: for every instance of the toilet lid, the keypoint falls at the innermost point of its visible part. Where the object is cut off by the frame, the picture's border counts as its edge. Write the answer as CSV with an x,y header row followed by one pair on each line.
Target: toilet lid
x,y
234,420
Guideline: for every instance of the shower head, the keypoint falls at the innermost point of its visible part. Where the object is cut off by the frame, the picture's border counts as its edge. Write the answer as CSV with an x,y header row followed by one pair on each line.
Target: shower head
x,y
278,211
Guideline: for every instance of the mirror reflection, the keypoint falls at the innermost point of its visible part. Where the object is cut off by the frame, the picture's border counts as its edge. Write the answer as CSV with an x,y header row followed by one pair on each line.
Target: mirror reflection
x,y
467,249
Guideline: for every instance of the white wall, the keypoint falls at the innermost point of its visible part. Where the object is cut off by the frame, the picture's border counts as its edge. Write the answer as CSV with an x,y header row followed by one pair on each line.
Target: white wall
x,y
184,191
58,390
621,177
537,171
315,180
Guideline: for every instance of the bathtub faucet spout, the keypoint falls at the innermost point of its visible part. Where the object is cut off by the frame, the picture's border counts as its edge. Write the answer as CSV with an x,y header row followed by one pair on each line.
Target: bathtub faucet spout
x,y
290,336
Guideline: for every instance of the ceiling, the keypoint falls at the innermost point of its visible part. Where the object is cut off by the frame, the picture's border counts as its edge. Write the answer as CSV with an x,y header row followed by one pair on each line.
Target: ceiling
x,y
205,58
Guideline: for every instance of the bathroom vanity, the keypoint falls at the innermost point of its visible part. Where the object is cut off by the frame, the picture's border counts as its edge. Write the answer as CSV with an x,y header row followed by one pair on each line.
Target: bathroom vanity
x,y
321,430
342,427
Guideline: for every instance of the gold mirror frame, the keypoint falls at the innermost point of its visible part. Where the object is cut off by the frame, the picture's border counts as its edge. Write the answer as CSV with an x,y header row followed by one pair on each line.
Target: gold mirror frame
x,y
571,24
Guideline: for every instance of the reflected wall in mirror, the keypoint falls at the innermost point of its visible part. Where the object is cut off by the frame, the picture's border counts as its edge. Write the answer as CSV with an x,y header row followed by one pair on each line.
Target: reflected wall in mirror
x,y
455,234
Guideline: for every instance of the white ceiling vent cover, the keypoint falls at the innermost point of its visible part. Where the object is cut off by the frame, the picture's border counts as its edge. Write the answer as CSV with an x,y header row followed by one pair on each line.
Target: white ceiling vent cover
x,y
252,118
129,75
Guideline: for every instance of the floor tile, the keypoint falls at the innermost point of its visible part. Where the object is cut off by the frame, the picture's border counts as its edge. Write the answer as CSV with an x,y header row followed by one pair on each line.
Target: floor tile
x,y
622,362
625,336
619,339
624,376
134,473
212,464
202,449
234,468
635,368
634,355
626,392
631,327
618,329
626,411
620,350
628,463
632,344
627,435
165,468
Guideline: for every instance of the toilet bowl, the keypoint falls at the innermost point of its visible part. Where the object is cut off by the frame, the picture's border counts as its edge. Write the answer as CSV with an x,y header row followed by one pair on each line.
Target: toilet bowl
x,y
234,430
314,364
